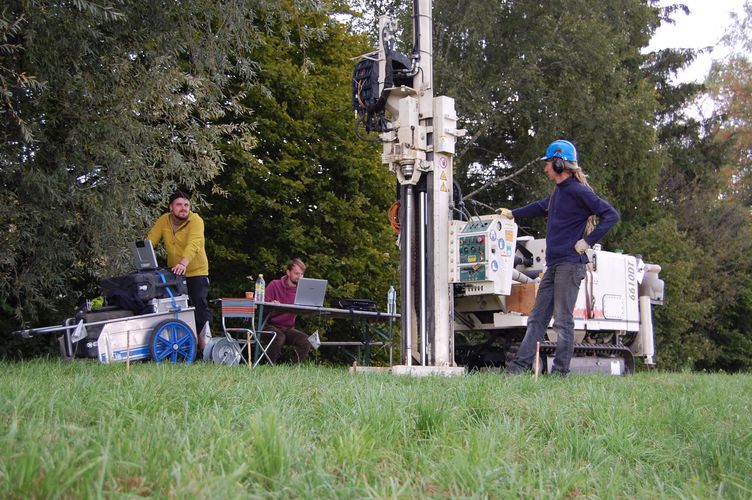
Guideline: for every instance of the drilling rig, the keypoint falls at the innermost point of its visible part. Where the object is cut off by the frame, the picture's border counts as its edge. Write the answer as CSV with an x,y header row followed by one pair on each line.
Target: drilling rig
x,y
462,278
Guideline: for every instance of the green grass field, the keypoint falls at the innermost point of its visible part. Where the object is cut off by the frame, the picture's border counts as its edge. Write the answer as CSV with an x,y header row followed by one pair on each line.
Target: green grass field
x,y
83,430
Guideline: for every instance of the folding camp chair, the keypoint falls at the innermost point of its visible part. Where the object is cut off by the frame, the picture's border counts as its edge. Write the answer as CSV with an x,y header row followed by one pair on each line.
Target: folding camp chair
x,y
241,345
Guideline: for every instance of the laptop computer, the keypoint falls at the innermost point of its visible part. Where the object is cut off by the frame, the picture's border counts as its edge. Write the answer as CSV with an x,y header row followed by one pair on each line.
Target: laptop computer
x,y
310,292
143,255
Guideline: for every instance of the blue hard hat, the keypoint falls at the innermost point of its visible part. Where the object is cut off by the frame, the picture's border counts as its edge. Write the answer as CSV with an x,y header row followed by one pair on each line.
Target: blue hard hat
x,y
561,149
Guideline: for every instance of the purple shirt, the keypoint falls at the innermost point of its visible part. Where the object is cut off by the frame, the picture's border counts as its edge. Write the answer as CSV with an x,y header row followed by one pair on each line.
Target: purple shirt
x,y
279,290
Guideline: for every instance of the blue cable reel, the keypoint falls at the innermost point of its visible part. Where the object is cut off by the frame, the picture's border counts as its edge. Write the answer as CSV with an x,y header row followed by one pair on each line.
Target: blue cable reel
x,y
173,339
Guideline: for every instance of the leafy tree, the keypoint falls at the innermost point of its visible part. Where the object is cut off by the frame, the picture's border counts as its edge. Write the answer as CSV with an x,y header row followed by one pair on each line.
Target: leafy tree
x,y
718,231
131,100
524,73
708,254
309,187
679,343
716,209
730,87
732,334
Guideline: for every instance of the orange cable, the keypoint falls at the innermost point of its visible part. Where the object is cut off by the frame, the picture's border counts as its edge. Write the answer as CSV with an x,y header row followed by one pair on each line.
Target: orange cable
x,y
393,216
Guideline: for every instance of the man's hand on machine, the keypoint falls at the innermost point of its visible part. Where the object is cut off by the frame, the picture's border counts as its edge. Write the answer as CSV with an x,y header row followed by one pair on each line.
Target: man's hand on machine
x,y
180,267
505,212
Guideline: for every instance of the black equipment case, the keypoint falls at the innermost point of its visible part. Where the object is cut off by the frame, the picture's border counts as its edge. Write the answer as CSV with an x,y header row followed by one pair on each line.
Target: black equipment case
x,y
146,285
88,347
356,304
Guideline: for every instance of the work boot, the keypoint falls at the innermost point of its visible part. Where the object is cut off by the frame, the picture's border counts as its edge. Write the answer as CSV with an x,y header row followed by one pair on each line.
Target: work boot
x,y
513,369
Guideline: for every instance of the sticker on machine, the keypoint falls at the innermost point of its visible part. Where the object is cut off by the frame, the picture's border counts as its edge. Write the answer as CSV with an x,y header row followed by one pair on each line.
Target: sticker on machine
x,y
494,266
492,235
504,247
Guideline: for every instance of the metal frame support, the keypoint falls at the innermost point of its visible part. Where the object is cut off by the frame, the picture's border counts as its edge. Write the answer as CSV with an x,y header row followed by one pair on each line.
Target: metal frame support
x,y
419,144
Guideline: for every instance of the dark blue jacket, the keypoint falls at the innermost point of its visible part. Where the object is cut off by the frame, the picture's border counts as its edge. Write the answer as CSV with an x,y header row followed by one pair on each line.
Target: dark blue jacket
x,y
568,209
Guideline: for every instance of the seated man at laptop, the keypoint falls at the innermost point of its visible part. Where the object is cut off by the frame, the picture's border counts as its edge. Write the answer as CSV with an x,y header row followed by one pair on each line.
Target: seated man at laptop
x,y
283,290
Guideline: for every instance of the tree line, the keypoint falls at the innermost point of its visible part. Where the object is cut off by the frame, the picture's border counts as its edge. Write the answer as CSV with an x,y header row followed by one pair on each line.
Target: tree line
x,y
109,106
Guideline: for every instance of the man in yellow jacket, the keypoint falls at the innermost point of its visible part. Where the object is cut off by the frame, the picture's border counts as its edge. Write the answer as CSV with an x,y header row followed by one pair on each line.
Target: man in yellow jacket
x,y
182,232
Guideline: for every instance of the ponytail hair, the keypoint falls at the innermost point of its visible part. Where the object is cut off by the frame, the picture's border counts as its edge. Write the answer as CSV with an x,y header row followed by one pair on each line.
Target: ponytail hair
x,y
578,174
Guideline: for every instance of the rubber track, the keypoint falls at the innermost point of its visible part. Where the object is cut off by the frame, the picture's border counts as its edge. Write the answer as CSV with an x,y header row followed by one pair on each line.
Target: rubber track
x,y
617,350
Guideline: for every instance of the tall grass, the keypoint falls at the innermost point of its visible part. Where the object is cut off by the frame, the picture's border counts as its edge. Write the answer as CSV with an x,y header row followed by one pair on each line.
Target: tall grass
x,y
84,430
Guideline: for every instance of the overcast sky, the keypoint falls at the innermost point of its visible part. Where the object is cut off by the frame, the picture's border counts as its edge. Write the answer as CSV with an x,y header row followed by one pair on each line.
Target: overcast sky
x,y
703,27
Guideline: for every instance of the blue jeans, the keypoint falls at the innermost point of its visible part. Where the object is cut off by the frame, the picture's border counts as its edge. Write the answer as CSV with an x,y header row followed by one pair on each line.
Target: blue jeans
x,y
556,297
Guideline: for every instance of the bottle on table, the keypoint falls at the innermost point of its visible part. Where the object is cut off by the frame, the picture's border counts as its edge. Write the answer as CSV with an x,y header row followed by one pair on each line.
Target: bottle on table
x,y
391,301
258,293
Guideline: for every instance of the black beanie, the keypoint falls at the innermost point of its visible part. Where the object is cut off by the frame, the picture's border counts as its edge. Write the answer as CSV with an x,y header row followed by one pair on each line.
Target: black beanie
x,y
178,194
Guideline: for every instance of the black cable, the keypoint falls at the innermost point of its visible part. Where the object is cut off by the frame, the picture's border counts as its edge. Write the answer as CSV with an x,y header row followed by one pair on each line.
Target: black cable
x,y
363,137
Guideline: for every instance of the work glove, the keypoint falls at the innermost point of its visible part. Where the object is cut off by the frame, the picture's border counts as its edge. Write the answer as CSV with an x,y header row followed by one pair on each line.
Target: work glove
x,y
581,246
505,212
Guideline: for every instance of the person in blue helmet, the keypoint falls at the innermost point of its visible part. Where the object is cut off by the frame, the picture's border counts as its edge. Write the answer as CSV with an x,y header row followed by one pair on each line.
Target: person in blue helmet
x,y
571,229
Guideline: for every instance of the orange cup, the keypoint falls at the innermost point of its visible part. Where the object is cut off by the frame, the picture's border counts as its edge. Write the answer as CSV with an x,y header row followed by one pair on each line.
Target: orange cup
x,y
249,295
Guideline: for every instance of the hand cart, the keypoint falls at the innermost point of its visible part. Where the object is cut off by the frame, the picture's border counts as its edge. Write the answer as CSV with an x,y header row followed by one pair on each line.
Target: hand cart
x,y
167,333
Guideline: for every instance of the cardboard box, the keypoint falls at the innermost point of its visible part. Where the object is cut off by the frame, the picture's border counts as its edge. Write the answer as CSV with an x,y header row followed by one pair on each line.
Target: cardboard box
x,y
522,298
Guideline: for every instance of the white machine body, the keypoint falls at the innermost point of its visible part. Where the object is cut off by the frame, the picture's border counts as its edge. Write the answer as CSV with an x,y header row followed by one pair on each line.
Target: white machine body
x,y
614,301
483,255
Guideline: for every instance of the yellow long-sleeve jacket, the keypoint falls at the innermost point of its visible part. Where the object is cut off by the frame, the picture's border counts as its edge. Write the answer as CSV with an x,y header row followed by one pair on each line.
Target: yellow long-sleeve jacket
x,y
187,241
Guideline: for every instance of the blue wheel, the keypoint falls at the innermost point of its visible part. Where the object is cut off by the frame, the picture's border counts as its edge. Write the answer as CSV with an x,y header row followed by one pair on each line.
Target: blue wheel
x,y
173,340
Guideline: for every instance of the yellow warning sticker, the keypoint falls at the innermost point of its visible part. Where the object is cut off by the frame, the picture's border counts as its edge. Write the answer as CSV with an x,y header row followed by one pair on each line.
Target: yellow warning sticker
x,y
443,176
444,188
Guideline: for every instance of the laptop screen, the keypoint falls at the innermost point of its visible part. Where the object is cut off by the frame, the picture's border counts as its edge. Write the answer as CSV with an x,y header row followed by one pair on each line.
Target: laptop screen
x,y
143,255
310,292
